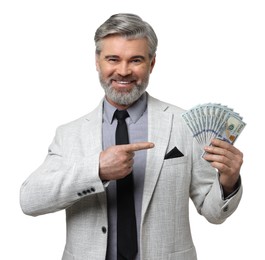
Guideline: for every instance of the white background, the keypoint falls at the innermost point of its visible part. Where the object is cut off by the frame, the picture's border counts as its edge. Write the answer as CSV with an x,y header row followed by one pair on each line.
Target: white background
x,y
209,51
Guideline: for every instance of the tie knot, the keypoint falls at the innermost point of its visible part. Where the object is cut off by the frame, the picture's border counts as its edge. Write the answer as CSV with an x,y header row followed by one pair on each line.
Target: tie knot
x,y
121,114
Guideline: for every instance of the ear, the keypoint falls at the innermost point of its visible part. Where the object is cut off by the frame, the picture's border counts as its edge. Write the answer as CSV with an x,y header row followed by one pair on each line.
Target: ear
x,y
153,61
97,61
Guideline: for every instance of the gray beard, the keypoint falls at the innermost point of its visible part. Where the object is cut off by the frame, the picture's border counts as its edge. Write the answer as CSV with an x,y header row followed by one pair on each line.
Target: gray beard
x,y
125,97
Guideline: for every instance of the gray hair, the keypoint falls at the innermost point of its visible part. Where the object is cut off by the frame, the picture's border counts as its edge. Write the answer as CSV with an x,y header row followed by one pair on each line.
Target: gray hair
x,y
129,26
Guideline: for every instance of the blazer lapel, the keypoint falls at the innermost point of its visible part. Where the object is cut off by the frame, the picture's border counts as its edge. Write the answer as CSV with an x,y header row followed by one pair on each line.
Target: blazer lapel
x,y
159,129
92,132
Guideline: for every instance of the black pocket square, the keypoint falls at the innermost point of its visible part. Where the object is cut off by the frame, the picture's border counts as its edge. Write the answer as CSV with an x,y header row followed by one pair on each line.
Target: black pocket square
x,y
174,153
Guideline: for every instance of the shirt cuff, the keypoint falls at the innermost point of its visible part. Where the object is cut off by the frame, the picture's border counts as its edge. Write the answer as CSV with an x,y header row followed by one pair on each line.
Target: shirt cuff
x,y
230,195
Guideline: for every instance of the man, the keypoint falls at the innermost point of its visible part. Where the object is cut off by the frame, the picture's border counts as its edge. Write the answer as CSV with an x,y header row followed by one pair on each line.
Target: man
x,y
85,163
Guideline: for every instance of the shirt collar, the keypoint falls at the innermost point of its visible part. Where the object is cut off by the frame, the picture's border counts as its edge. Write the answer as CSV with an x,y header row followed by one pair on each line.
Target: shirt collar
x,y
135,111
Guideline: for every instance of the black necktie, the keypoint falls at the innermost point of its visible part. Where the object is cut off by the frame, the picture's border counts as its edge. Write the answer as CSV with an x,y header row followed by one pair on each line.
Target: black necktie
x,y
126,220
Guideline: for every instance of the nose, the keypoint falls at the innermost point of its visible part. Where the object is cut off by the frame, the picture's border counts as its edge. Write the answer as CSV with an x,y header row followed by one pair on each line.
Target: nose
x,y
124,69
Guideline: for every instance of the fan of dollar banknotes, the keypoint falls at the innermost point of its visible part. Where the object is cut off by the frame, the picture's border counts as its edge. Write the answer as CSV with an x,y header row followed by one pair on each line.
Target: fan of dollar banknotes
x,y
213,120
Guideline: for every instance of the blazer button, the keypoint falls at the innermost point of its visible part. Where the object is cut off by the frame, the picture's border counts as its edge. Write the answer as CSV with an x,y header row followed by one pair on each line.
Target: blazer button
x,y
104,229
84,192
225,209
79,194
93,189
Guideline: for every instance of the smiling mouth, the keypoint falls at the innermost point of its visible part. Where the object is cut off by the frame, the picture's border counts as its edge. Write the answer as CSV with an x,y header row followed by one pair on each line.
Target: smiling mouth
x,y
123,83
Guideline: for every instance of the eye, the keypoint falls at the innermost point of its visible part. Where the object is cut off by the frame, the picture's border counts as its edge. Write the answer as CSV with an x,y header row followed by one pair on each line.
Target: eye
x,y
136,61
112,60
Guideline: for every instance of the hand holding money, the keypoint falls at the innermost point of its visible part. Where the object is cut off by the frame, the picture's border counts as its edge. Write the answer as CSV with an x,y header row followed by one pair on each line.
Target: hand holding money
x,y
227,160
216,128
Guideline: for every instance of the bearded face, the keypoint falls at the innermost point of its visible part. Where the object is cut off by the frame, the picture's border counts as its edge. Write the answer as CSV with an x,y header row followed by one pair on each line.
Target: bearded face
x,y
124,67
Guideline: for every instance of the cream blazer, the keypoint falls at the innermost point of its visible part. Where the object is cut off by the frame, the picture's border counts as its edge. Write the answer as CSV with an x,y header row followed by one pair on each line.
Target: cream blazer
x,y
68,180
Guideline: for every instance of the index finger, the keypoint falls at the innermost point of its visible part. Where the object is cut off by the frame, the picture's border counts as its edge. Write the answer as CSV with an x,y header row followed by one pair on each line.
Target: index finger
x,y
225,145
137,146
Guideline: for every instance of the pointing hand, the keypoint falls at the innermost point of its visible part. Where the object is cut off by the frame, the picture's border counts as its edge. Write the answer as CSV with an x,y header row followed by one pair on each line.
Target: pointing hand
x,y
116,162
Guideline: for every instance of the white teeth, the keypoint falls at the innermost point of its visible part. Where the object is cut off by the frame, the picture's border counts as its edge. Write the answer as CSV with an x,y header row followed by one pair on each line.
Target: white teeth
x,y
123,82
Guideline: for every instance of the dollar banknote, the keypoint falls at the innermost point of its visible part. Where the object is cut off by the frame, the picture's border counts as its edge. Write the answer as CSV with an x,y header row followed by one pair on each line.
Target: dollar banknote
x,y
212,120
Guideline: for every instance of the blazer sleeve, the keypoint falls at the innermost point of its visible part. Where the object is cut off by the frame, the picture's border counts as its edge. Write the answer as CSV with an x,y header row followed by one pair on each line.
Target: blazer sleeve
x,y
61,180
206,192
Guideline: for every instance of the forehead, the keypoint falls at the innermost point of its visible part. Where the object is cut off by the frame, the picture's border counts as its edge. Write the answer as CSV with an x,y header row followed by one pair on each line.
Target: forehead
x,y
120,46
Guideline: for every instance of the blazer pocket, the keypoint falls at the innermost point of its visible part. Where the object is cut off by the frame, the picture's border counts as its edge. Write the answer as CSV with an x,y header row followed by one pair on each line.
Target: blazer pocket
x,y
175,161
186,254
174,153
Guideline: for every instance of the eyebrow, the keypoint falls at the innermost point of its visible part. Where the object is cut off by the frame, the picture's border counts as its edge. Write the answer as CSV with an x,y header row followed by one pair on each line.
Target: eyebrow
x,y
138,57
111,56
133,57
